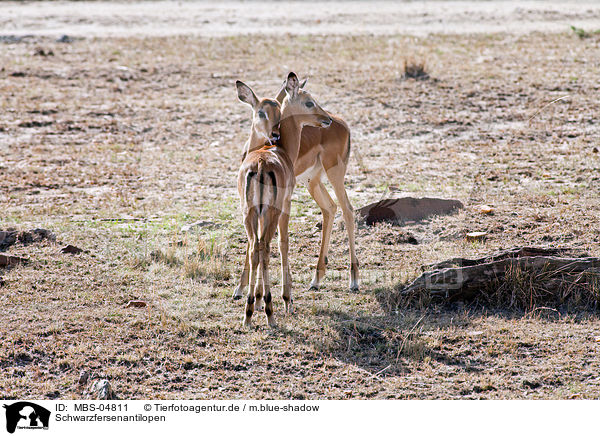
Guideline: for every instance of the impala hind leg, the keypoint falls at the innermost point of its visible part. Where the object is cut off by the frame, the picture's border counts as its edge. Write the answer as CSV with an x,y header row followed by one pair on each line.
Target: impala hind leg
x,y
239,291
328,208
286,276
250,300
266,287
263,288
336,177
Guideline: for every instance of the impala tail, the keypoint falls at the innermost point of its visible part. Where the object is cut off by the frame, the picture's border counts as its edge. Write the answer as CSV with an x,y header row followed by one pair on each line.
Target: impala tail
x,y
261,192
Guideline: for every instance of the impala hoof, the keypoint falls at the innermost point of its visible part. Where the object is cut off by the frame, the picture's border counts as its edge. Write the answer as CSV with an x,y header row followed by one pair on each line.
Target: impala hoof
x,y
353,288
236,297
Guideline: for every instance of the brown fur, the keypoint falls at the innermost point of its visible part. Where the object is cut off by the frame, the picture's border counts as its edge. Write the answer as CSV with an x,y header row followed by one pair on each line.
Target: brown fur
x,y
266,205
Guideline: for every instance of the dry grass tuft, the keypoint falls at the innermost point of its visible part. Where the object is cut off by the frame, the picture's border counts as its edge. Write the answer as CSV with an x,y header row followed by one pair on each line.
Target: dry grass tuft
x,y
209,262
415,70
168,257
528,290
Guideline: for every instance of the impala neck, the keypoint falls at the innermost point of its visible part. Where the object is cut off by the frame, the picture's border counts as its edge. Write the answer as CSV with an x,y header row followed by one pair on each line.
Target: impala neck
x,y
290,129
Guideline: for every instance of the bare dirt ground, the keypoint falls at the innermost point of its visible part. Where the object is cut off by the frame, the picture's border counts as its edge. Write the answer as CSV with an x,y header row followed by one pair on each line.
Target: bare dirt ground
x,y
115,143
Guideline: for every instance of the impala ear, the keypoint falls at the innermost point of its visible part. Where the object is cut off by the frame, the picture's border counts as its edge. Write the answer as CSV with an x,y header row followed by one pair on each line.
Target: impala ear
x,y
245,94
281,94
292,85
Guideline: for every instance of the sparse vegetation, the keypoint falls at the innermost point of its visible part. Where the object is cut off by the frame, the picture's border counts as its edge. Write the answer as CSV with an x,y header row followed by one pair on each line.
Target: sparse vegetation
x,y
415,70
582,34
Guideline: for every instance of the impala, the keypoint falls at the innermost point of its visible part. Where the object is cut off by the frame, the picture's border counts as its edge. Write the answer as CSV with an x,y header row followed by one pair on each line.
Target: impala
x,y
323,154
266,181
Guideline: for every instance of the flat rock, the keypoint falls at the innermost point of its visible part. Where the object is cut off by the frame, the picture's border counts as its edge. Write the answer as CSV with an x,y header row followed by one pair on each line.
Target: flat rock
x,y
71,249
397,210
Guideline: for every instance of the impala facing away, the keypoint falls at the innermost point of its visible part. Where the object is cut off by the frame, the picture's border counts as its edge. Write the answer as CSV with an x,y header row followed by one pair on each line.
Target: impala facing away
x,y
266,181
324,153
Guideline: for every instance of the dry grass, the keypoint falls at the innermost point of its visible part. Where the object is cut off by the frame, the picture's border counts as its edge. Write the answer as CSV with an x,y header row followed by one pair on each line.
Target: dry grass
x,y
415,70
117,160
554,290
209,262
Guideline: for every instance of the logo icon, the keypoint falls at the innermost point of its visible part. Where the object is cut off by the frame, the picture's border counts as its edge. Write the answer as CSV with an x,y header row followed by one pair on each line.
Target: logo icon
x,y
26,415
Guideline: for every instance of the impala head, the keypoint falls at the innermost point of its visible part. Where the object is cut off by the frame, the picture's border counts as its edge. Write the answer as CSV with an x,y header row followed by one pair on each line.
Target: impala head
x,y
266,113
281,93
300,104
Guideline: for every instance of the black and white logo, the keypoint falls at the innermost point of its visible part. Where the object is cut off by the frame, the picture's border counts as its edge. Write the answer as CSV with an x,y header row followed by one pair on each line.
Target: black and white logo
x,y
26,415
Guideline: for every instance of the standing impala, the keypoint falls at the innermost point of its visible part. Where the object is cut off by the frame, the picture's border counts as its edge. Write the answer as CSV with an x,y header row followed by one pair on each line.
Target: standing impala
x,y
324,153
265,183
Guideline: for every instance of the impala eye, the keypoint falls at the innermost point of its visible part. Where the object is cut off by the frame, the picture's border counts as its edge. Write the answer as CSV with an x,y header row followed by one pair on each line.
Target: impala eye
x,y
262,114
309,104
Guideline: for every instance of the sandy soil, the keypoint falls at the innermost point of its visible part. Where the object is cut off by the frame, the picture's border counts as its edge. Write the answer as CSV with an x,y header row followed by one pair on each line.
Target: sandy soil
x,y
114,144
299,18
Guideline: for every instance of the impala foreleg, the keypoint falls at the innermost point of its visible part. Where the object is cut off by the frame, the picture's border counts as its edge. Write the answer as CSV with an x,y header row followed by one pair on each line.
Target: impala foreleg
x,y
239,291
328,208
271,224
286,276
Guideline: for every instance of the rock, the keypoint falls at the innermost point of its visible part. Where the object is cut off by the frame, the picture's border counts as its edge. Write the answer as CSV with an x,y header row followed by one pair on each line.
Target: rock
x,y
136,303
397,210
102,390
35,235
71,249
196,225
476,236
83,377
65,39
11,260
531,384
485,209
7,238
40,51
